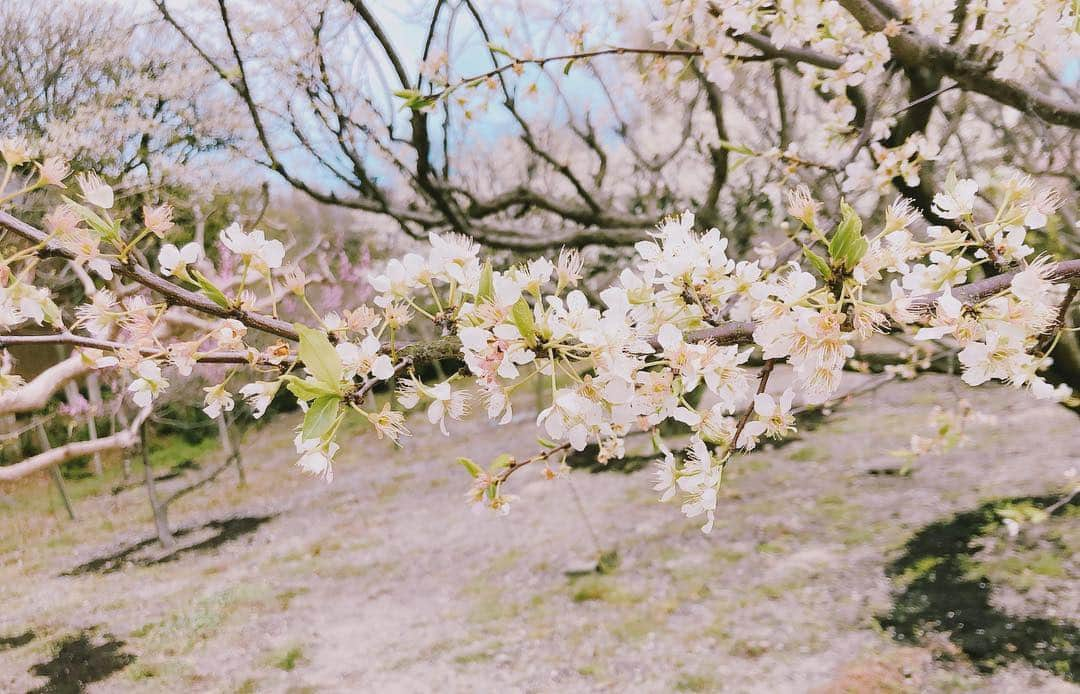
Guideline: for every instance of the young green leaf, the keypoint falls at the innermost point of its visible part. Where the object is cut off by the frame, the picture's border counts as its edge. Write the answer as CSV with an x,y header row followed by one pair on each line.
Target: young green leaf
x,y
209,288
52,312
487,282
108,231
847,246
319,357
320,417
306,388
818,263
414,99
739,149
469,465
523,319
499,49
499,463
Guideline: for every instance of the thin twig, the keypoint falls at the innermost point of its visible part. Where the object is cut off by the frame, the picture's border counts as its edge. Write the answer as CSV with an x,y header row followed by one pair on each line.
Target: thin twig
x,y
763,382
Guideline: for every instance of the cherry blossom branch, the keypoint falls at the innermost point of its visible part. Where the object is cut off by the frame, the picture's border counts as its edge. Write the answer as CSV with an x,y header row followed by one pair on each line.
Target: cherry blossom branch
x,y
123,439
915,50
516,465
65,338
763,383
973,292
516,62
735,332
173,293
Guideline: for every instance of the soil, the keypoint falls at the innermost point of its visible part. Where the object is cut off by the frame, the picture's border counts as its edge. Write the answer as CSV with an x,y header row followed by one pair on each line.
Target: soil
x,y
819,576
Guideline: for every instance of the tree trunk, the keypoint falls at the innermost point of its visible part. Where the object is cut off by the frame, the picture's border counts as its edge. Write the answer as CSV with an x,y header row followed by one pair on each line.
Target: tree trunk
x,y
122,418
161,512
229,446
93,391
57,476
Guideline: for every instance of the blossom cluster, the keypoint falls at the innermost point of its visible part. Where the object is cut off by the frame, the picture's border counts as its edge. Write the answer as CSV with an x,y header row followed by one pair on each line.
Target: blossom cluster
x,y
672,338
838,54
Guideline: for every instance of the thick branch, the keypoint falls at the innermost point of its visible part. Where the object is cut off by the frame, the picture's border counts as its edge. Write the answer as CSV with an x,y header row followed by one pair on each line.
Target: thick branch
x,y
123,439
914,50
37,393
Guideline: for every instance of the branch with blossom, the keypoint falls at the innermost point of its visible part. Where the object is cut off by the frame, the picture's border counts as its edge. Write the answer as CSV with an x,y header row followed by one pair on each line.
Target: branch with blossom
x,y
856,85
669,327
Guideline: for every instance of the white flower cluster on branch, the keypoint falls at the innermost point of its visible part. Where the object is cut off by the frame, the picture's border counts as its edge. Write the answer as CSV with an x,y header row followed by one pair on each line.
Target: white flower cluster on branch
x,y
660,343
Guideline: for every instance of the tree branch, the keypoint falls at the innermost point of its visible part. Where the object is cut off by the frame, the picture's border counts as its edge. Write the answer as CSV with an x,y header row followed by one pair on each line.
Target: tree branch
x,y
35,394
173,293
123,439
914,50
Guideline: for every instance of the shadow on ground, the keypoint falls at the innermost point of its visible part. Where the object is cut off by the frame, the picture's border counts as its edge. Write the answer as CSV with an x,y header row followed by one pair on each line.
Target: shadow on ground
x,y
9,642
139,554
175,471
944,591
77,661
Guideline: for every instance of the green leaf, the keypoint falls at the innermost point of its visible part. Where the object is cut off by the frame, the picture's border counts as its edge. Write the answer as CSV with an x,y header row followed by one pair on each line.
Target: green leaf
x,y
856,252
546,443
320,417
499,49
319,357
499,463
469,465
209,288
566,68
52,312
306,388
415,100
740,149
847,246
523,319
423,102
818,262
109,231
487,282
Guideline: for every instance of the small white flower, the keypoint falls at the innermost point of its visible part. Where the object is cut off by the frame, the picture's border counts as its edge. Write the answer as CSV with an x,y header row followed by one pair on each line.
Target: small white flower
x,y
259,394
446,402
316,457
95,191
230,333
364,359
174,261
149,385
665,478
949,309
218,399
254,248
958,202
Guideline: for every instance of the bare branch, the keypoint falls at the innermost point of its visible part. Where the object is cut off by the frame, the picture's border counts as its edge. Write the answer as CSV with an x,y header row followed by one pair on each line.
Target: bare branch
x,y
38,391
122,439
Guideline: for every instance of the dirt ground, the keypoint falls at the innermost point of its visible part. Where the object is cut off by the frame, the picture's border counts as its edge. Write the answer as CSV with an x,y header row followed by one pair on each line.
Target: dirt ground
x,y
822,574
